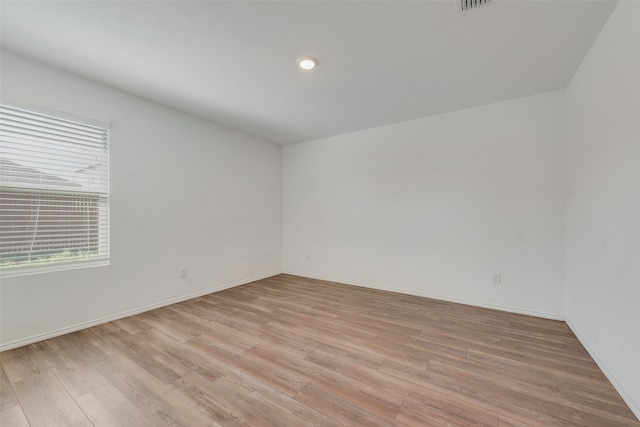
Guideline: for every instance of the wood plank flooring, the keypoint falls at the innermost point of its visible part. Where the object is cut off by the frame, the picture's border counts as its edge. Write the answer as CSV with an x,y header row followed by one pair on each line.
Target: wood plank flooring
x,y
289,351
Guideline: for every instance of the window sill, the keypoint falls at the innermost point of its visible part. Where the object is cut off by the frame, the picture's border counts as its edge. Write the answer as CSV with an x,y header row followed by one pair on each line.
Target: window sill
x,y
29,270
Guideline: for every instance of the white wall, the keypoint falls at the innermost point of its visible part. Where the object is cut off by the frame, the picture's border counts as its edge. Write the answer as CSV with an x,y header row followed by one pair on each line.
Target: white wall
x,y
603,201
436,206
184,191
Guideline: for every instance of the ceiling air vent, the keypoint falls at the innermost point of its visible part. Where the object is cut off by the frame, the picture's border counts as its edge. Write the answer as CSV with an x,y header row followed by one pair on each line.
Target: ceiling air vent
x,y
472,4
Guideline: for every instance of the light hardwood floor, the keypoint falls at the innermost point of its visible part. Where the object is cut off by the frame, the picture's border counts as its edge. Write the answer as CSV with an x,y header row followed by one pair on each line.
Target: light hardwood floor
x,y
289,351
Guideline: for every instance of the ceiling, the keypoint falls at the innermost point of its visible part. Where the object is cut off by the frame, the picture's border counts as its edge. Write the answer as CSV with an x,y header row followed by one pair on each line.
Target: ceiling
x,y
380,62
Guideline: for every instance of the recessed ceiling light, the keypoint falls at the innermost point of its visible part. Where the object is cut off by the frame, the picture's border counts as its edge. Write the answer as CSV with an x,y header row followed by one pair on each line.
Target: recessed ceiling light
x,y
307,63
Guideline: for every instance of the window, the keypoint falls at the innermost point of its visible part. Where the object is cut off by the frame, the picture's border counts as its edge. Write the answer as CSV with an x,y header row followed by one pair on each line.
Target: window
x,y
54,192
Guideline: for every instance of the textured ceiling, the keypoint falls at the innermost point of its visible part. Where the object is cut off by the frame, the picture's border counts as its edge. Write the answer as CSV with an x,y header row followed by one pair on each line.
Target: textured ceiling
x,y
380,62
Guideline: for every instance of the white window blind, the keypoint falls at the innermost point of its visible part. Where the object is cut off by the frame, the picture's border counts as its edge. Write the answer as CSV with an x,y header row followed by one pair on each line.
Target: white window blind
x,y
54,192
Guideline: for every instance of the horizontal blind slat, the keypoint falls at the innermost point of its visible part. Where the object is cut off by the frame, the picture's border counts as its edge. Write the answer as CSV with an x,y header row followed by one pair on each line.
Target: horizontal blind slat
x,y
42,135
87,136
22,120
61,149
7,110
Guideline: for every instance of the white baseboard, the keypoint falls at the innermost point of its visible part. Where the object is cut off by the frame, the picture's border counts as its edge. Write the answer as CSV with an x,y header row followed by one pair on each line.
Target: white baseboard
x,y
633,405
121,315
544,315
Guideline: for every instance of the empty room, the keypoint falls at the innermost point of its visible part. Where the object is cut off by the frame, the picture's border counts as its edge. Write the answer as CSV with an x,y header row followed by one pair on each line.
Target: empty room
x,y
320,213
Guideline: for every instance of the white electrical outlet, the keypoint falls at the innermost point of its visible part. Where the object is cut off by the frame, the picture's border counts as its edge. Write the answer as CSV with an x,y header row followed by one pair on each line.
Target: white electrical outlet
x,y
497,279
183,272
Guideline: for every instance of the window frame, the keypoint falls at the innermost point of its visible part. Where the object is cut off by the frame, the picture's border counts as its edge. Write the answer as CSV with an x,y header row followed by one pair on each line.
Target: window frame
x,y
102,198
